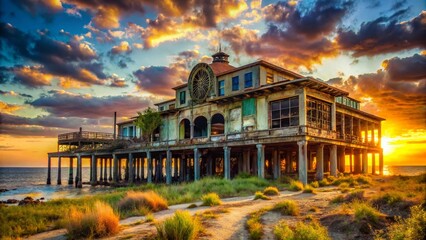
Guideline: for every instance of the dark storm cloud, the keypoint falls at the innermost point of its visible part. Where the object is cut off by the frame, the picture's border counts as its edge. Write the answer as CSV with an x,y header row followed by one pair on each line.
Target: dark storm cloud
x,y
158,79
74,60
385,35
295,36
401,102
406,69
48,121
63,104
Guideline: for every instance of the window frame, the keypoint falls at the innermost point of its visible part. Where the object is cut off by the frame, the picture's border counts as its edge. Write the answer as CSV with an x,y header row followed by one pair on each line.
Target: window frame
x,y
182,95
285,112
318,113
246,80
235,83
221,88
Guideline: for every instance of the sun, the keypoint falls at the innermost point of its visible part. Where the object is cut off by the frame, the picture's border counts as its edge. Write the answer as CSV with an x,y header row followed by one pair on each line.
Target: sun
x,y
387,146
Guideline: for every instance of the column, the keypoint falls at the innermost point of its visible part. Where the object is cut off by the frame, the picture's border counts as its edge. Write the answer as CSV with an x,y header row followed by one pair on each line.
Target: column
x,y
76,174
275,163
209,128
302,108
70,175
343,127
80,174
168,167
227,162
357,161
333,160
110,168
364,161
119,169
130,168
175,168
138,167
373,163
94,171
303,160
101,174
48,170
115,170
105,170
196,164
381,161
333,116
320,162
373,140
149,159
191,130
260,160
142,168
351,169
182,168
59,171
126,171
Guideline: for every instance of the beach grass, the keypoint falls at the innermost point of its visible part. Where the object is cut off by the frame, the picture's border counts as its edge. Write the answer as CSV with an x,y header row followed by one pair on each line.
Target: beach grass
x,y
211,199
301,231
287,207
21,221
180,226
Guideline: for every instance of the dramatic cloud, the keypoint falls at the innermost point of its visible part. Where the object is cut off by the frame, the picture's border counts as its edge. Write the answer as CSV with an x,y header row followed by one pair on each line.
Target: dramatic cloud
x,y
9,108
13,93
384,35
159,80
118,82
399,100
64,104
295,37
406,69
75,63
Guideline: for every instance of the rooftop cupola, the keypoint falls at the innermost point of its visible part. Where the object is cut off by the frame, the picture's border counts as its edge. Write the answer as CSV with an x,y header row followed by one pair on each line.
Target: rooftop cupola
x,y
220,56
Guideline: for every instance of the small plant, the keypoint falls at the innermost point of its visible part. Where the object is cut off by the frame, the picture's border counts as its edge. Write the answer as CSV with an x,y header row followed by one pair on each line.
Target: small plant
x,y
295,186
323,183
254,225
209,215
271,191
149,217
338,199
260,195
100,221
309,189
286,179
314,184
135,201
363,211
355,195
287,207
389,198
302,231
413,227
363,179
211,199
180,226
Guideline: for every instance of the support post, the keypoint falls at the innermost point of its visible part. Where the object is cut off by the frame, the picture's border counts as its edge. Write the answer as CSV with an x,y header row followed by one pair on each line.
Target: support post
x,y
333,160
227,162
373,163
70,170
168,166
110,168
105,170
381,161
115,171
131,169
364,161
320,162
149,159
80,175
303,161
196,164
275,163
101,171
59,182
94,171
260,160
138,169
49,166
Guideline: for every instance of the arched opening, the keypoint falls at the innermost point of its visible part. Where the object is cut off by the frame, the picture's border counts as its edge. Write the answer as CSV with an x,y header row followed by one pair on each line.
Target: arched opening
x,y
184,129
200,127
217,124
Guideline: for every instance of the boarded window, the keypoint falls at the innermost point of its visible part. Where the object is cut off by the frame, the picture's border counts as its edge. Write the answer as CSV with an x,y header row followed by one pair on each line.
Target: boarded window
x,y
249,107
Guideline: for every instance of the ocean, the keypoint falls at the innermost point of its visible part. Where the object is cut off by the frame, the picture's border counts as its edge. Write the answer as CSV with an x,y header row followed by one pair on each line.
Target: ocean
x,y
22,182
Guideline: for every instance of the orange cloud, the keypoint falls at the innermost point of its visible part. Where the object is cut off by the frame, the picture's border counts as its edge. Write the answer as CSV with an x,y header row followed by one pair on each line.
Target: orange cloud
x,y
9,108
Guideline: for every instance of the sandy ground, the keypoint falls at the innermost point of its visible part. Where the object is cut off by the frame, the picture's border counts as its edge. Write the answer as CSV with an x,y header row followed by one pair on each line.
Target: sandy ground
x,y
230,217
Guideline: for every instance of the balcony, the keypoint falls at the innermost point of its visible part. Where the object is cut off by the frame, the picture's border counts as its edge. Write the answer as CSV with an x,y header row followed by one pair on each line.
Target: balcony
x,y
85,136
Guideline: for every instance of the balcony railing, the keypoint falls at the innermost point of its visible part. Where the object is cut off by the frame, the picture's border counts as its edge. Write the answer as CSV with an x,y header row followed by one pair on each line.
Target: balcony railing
x,y
85,135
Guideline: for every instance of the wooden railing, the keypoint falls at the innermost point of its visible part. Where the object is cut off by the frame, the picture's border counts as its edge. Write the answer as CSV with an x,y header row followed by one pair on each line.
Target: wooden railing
x,y
85,135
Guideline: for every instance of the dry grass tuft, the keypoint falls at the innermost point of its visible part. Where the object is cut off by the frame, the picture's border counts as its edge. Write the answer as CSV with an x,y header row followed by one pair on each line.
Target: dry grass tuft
x,y
100,221
137,201
271,191
287,207
211,199
181,226
260,195
295,186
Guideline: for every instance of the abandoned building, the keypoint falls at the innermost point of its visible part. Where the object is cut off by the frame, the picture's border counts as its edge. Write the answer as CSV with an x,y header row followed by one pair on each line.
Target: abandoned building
x,y
258,119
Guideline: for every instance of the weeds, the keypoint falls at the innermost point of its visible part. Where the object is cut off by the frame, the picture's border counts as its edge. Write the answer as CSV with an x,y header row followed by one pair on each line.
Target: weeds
x,y
271,191
287,207
260,195
141,201
309,189
254,225
295,186
302,231
180,226
211,199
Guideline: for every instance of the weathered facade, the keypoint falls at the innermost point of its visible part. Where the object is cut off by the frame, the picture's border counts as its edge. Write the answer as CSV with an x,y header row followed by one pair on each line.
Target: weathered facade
x,y
259,119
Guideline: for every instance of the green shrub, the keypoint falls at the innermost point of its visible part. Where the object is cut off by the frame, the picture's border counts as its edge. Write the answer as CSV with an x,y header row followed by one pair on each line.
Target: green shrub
x,y
149,217
137,201
100,221
314,184
254,225
361,179
338,199
364,211
287,207
260,195
271,191
286,179
309,189
295,186
302,231
244,175
414,227
355,195
211,199
389,198
180,226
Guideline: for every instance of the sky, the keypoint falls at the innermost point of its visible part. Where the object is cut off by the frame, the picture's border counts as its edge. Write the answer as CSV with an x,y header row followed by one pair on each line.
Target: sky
x,y
66,64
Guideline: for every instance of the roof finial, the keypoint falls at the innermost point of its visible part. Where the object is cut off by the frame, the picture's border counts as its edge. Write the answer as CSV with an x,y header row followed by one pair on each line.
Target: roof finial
x,y
220,46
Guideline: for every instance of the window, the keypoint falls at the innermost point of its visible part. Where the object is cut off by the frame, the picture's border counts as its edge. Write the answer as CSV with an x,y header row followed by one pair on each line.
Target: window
x,y
249,107
248,80
285,113
269,77
319,114
235,83
161,108
221,90
182,97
